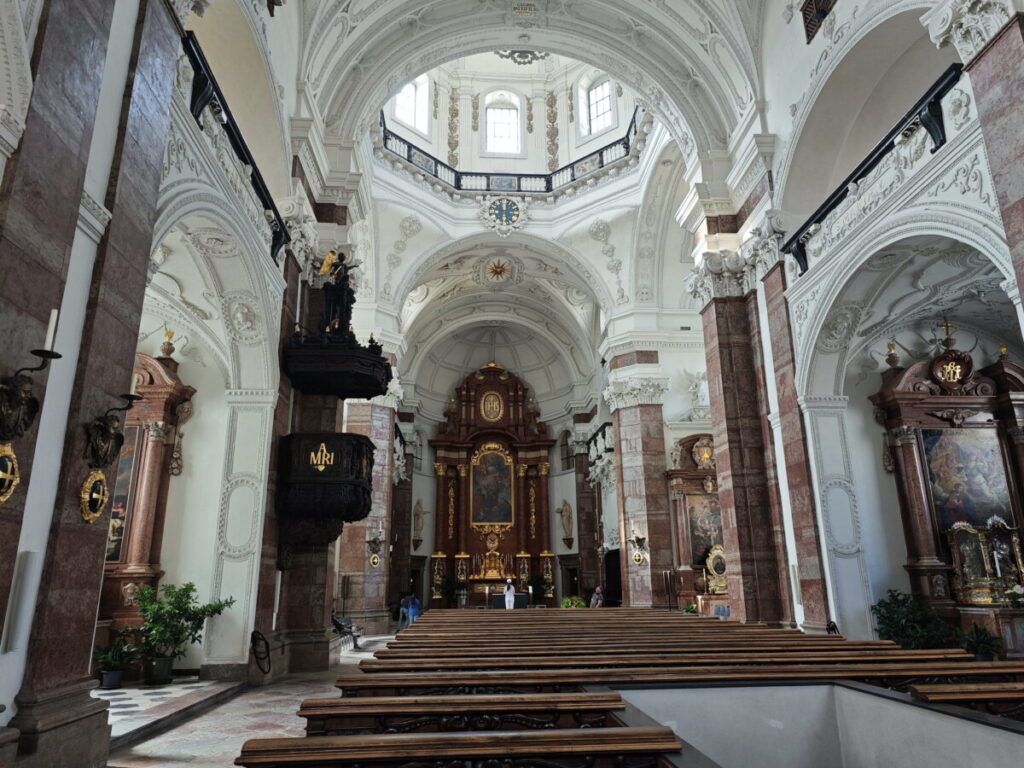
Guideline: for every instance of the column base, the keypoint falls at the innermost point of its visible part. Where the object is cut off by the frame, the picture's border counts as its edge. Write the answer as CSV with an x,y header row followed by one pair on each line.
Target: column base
x,y
230,672
8,746
310,651
65,727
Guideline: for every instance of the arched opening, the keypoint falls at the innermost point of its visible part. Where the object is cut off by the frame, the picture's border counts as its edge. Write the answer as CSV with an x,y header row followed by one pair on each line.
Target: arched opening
x,y
864,96
900,295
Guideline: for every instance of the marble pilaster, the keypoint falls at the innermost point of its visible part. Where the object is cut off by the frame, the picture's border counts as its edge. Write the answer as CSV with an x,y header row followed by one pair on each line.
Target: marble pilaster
x,y
634,396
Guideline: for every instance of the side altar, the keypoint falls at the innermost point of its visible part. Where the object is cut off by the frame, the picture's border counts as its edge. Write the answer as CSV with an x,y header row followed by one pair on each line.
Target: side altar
x,y
955,445
492,469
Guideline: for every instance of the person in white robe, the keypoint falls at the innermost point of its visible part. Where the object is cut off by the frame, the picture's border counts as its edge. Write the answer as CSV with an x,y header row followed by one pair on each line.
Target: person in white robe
x,y
510,595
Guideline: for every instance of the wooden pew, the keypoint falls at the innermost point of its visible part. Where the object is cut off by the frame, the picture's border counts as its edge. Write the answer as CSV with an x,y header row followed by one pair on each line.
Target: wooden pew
x,y
1004,699
596,748
893,675
406,714
501,661
565,649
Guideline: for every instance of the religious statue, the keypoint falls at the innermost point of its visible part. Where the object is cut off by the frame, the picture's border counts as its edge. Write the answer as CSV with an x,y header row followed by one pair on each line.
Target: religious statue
x,y
418,513
565,513
103,441
18,407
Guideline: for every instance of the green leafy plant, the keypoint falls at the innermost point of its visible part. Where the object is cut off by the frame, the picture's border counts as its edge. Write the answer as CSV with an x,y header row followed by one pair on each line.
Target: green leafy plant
x,y
909,622
119,655
980,642
173,619
573,602
690,608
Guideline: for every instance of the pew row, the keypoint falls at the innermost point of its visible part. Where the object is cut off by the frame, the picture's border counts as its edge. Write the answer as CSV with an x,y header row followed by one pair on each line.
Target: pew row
x,y
594,748
406,714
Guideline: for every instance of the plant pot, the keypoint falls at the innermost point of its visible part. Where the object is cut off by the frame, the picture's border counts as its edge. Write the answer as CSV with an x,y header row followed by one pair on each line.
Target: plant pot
x,y
158,671
110,678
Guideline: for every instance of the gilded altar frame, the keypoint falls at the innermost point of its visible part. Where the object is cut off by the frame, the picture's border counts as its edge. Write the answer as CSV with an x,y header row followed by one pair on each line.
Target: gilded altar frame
x,y
489,448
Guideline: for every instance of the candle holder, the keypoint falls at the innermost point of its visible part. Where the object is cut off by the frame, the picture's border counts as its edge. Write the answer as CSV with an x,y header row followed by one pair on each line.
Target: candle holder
x,y
18,406
104,436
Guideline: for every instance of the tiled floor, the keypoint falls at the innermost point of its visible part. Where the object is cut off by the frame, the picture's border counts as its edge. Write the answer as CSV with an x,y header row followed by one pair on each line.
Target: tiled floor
x,y
214,738
137,705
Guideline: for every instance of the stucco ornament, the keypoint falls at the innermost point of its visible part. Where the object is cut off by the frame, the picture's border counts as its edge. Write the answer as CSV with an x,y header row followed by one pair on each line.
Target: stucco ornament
x,y
969,24
242,315
636,390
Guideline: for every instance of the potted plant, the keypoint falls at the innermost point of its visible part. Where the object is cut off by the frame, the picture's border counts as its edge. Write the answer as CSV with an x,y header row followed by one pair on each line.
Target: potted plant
x,y
983,644
690,608
573,602
909,622
173,619
113,659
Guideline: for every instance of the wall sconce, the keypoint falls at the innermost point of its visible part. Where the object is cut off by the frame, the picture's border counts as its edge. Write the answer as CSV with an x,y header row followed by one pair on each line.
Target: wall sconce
x,y
376,544
104,437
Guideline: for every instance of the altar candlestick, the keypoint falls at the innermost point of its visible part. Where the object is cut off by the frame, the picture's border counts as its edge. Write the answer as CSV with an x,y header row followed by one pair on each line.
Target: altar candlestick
x,y
132,390
51,330
531,591
995,559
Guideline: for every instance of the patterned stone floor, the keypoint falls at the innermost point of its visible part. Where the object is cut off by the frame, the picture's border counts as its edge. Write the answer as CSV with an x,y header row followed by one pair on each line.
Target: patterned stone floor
x,y
214,738
134,706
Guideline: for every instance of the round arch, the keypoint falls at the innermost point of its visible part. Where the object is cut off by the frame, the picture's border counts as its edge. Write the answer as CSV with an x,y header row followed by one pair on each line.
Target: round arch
x,y
860,89
700,100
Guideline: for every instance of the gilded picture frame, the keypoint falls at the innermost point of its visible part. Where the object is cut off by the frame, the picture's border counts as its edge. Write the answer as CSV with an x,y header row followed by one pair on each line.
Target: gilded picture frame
x,y
492,488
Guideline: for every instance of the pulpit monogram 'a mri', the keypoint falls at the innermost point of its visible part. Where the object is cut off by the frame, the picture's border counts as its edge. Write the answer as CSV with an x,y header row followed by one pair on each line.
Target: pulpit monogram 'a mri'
x,y
491,466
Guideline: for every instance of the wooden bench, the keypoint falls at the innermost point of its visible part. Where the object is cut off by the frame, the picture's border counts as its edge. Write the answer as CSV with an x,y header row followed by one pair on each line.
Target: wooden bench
x,y
596,748
894,675
501,661
564,649
406,714
1006,699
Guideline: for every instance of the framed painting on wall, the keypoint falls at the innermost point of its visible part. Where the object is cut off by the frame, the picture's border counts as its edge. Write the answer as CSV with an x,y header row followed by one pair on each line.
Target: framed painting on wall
x,y
124,487
966,476
704,517
491,483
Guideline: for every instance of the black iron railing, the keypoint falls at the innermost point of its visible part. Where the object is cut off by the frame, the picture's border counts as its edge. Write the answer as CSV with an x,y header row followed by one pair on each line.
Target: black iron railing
x,y
926,113
205,92
511,182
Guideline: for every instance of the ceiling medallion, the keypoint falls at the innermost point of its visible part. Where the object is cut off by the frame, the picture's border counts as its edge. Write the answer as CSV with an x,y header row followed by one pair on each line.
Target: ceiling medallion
x,y
522,58
497,270
504,215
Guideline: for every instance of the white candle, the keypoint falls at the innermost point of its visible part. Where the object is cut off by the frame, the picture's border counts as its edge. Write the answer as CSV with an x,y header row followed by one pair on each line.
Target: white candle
x,y
995,559
531,591
51,330
132,390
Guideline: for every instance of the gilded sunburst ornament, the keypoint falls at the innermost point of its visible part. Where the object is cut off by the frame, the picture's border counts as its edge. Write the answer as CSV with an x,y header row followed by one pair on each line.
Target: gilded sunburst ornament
x,y
497,270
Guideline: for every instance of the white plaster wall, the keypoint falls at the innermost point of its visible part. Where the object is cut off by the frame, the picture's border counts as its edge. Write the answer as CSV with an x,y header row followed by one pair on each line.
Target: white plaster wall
x,y
424,489
823,726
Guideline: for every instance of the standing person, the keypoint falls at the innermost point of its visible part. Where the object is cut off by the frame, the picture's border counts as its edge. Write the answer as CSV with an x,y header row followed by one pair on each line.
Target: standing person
x,y
510,595
414,609
597,599
403,612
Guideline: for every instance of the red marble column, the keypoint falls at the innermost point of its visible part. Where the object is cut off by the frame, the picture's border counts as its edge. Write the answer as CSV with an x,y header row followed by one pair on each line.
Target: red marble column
x,y
642,494
464,503
923,560
810,562
60,723
524,507
587,515
39,203
754,570
997,81
401,535
144,509
367,598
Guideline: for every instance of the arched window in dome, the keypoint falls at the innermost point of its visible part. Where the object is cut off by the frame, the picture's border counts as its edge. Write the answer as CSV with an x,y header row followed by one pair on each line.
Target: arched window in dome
x,y
503,122
412,105
597,105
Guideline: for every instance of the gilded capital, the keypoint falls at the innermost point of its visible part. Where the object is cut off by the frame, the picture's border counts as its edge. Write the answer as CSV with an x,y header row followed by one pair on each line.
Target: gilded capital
x,y
521,470
439,469
463,469
544,467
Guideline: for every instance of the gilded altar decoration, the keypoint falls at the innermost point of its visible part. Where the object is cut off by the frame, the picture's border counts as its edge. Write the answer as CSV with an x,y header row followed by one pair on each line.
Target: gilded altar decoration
x,y
437,574
451,511
10,475
533,508
491,407
93,496
704,453
492,489
987,561
715,571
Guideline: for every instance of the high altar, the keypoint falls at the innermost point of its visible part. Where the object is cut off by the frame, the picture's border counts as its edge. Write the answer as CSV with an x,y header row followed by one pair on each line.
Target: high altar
x,y
492,465
955,444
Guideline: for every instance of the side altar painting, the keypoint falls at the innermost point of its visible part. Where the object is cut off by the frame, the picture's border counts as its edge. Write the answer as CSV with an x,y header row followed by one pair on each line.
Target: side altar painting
x,y
967,476
705,516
